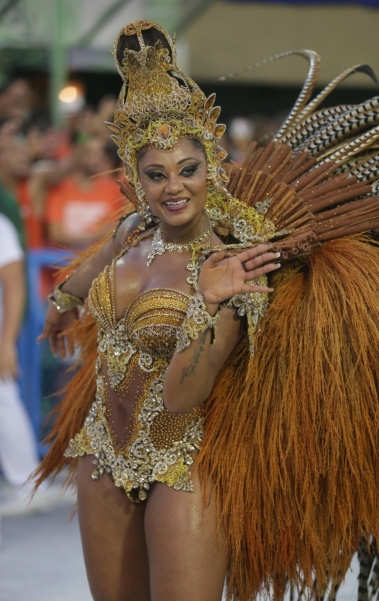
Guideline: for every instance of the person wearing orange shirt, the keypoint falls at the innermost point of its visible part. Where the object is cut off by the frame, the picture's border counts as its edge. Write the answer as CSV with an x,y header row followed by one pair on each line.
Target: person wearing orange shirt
x,y
84,204
24,190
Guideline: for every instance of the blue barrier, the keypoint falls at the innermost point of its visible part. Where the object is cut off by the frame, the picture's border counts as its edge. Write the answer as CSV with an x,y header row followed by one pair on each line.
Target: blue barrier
x,y
30,353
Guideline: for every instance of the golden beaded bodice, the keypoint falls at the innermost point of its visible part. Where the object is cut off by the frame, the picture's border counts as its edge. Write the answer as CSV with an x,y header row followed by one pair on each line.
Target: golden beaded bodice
x,y
153,319
148,328
134,353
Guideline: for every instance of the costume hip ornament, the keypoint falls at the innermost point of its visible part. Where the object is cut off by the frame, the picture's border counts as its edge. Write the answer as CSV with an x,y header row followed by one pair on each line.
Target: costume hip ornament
x,y
291,426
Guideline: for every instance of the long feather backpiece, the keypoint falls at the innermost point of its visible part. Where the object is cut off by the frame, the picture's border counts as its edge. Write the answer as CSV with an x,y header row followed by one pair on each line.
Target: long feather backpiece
x,y
300,488
300,491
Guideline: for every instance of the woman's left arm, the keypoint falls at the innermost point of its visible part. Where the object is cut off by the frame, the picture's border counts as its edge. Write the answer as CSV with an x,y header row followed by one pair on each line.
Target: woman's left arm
x,y
192,371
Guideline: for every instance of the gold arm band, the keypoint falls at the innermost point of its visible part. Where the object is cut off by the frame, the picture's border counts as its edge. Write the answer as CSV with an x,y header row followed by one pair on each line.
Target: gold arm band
x,y
196,321
64,301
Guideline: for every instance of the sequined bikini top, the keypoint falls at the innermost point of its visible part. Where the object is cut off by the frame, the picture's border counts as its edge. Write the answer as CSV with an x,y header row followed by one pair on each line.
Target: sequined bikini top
x,y
149,327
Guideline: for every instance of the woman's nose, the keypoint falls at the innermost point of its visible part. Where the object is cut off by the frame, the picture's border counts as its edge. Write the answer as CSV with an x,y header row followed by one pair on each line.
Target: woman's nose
x,y
174,185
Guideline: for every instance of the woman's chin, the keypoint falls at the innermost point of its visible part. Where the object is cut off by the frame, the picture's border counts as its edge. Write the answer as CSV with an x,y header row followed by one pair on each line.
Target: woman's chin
x,y
182,218
179,218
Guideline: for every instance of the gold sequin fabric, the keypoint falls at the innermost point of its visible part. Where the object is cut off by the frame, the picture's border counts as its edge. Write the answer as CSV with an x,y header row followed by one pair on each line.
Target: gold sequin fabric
x,y
134,352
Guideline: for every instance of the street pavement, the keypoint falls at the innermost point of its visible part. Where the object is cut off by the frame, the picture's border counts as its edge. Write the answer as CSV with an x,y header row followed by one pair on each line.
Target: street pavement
x,y
41,557
40,552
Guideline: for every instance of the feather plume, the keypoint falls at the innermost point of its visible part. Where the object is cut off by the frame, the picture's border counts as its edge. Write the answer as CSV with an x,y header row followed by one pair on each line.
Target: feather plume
x,y
301,487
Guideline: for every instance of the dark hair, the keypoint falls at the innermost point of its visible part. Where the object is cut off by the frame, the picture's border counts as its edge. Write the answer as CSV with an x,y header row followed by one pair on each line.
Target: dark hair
x,y
150,37
198,144
40,121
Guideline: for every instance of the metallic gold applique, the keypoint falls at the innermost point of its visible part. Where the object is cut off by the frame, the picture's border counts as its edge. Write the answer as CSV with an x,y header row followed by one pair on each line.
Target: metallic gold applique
x,y
174,475
196,321
253,305
118,351
144,464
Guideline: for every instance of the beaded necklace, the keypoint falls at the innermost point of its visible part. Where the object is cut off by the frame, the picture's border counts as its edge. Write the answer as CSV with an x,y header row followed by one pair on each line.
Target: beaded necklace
x,y
159,246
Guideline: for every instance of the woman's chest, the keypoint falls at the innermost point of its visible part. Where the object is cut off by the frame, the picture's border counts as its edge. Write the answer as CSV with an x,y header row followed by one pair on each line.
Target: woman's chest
x,y
139,310
132,276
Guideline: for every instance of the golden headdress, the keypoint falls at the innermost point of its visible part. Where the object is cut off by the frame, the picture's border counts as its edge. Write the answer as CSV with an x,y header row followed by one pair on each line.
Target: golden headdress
x,y
158,104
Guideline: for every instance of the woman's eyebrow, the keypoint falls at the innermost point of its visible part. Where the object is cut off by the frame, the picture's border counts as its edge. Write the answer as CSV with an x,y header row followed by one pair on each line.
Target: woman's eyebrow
x,y
187,159
178,163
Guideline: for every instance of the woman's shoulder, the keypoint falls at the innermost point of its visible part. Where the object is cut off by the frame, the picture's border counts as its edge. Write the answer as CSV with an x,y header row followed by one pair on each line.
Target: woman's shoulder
x,y
127,225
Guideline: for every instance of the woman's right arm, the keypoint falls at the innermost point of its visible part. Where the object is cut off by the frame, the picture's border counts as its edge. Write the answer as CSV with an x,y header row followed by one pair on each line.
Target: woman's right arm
x,y
79,284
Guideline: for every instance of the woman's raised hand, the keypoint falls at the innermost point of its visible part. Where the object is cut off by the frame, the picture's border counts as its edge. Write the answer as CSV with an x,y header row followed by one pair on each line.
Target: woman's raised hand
x,y
55,323
223,275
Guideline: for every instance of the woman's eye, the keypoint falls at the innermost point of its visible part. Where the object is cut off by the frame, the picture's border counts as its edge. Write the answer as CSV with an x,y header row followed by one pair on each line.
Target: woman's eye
x,y
155,176
189,171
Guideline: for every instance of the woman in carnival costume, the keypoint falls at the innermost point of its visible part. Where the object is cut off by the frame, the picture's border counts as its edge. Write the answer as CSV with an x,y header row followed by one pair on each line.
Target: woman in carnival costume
x,y
214,428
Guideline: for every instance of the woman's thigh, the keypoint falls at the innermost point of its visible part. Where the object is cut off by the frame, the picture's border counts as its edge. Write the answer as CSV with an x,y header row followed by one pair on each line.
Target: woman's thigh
x,y
187,558
113,538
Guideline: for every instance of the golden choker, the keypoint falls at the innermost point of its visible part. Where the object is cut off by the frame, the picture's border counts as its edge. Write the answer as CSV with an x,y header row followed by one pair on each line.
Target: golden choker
x,y
159,246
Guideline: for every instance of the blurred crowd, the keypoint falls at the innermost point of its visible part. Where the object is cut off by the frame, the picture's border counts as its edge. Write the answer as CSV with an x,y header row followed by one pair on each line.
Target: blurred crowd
x,y
241,131
57,185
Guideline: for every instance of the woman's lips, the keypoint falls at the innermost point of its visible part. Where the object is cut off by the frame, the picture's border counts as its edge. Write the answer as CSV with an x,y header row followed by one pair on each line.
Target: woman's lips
x,y
174,205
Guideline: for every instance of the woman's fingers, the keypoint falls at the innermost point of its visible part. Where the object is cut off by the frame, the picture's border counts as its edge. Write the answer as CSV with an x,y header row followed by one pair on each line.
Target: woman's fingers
x,y
61,346
217,257
53,342
46,332
51,334
55,324
269,257
255,252
253,274
70,345
252,257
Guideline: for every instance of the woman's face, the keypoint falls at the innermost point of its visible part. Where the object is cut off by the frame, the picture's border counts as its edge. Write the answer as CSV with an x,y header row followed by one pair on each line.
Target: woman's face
x,y
175,182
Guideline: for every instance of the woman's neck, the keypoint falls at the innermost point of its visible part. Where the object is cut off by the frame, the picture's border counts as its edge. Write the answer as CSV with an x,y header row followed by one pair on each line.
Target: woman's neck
x,y
186,233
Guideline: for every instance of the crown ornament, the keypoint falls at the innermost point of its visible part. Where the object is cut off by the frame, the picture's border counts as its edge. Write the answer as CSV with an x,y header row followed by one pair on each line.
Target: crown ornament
x,y
159,104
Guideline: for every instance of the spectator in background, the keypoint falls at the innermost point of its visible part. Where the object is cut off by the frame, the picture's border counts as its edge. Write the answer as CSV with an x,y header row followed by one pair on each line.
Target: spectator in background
x,y
81,201
18,455
15,192
113,164
3,102
43,140
105,112
106,108
49,164
17,101
20,100
23,187
241,133
14,169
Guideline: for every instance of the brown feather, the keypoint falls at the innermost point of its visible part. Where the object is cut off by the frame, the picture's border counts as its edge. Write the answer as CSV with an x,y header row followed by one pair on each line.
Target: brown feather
x,y
301,487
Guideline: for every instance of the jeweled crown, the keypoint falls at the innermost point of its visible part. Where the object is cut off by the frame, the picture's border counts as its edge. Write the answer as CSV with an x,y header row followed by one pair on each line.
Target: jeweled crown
x,y
158,104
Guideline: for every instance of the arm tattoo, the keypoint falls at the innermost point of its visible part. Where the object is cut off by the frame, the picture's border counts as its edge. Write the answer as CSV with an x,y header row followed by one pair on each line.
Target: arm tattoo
x,y
191,368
